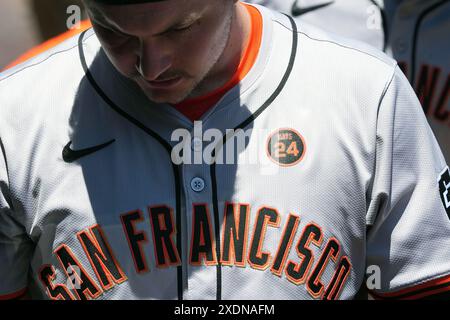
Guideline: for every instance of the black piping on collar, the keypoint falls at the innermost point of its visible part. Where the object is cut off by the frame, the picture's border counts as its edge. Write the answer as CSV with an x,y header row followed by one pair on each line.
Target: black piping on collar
x,y
177,168
153,134
225,138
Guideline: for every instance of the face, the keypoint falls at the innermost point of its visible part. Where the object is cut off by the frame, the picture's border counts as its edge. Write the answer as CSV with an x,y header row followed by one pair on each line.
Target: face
x,y
168,48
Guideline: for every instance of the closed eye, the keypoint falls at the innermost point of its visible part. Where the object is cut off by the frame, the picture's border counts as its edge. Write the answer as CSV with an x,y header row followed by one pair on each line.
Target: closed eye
x,y
113,30
184,28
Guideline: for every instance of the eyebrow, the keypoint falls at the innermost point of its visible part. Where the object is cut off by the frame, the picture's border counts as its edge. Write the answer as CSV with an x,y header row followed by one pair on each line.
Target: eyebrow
x,y
187,21
103,21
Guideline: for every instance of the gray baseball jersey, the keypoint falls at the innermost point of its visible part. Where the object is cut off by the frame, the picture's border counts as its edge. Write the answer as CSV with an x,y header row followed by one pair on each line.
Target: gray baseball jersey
x,y
414,32
338,171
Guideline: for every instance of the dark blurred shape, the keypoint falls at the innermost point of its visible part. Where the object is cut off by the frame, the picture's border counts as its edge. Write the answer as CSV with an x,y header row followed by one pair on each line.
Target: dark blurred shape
x,y
18,31
85,24
51,15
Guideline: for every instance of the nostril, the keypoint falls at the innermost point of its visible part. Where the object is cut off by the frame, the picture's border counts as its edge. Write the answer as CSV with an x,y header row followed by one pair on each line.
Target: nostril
x,y
151,69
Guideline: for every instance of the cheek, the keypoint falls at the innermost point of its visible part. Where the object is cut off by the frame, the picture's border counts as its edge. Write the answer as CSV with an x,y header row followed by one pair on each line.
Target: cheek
x,y
200,48
124,60
195,53
125,64
120,53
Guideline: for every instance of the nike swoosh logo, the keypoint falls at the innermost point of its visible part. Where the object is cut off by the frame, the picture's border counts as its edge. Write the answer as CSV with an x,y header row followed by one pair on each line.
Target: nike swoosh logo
x,y
70,155
298,11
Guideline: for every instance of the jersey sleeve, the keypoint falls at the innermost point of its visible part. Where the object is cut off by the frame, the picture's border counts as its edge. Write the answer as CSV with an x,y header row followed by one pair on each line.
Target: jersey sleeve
x,y
15,253
408,242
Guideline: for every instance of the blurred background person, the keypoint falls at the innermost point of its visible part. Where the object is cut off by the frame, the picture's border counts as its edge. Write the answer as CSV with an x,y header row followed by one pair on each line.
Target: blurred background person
x,y
26,26
18,30
52,15
414,32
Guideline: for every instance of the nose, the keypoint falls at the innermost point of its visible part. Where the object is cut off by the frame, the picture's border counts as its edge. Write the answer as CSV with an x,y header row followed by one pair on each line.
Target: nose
x,y
153,60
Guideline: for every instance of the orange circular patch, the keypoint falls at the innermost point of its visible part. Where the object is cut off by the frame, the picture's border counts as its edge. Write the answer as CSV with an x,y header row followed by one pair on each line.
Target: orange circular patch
x,y
286,147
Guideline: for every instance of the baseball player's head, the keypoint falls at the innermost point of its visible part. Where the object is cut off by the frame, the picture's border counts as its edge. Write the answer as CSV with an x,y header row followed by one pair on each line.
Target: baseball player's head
x,y
170,48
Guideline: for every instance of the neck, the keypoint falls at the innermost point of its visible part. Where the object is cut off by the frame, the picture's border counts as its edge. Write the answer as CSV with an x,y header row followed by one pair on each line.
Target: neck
x,y
230,58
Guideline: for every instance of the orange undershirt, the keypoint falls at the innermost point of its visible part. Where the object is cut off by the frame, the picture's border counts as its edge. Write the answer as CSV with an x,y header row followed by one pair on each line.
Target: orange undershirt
x,y
194,108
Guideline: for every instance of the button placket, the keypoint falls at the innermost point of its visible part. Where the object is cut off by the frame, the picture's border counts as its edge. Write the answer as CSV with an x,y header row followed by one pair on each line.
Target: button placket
x,y
196,144
197,184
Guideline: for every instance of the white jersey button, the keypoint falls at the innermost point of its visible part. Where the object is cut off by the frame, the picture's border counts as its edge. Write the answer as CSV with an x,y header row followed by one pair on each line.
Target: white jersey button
x,y
197,184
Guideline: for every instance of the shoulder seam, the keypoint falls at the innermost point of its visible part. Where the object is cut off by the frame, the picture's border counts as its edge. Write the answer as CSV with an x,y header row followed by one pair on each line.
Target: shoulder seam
x,y
388,83
371,220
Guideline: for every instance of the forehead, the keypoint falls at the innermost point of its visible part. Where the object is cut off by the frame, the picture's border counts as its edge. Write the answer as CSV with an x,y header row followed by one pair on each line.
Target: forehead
x,y
147,14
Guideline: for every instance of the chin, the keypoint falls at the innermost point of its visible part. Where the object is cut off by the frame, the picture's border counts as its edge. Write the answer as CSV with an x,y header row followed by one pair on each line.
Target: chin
x,y
171,98
166,96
